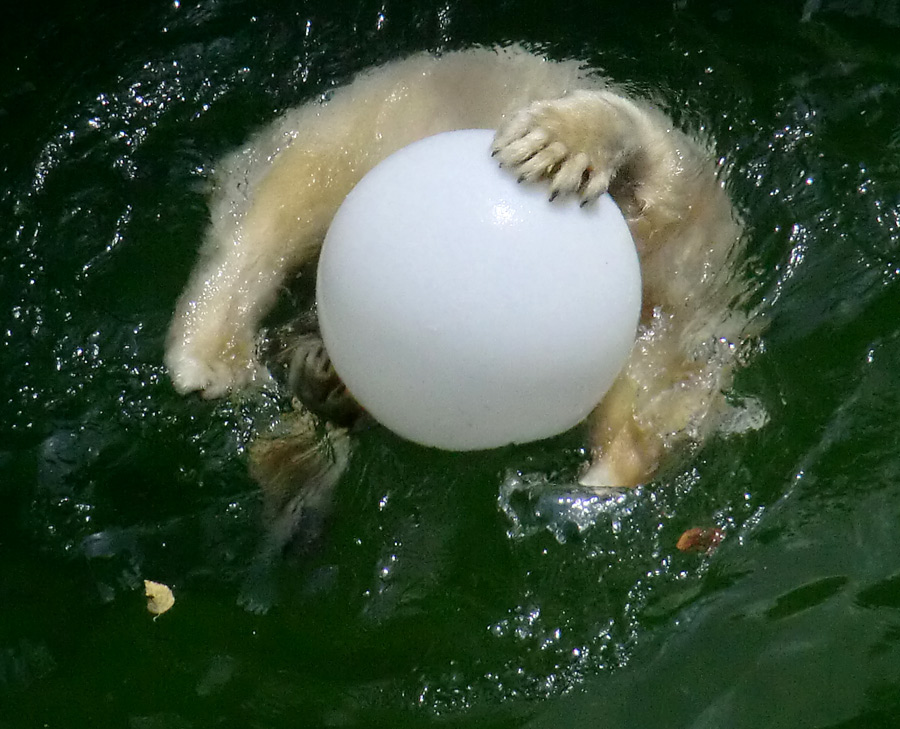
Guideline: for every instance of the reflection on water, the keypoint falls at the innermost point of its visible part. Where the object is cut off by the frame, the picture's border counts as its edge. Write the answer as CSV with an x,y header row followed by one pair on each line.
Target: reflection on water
x,y
447,584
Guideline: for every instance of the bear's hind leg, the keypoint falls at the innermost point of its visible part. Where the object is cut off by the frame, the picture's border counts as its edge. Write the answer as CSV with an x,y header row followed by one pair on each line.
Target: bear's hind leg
x,y
624,455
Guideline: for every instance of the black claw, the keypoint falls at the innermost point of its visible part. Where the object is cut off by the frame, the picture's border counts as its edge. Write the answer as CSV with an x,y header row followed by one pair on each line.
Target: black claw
x,y
313,382
554,195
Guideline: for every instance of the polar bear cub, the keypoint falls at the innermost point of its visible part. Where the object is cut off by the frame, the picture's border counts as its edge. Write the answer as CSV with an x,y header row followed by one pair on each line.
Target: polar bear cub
x,y
558,125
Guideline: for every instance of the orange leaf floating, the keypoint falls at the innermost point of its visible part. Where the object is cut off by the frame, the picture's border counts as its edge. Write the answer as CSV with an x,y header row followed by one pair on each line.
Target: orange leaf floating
x,y
700,539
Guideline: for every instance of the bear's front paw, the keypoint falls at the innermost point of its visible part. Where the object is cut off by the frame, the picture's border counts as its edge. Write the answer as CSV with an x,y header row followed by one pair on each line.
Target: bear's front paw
x,y
211,377
576,143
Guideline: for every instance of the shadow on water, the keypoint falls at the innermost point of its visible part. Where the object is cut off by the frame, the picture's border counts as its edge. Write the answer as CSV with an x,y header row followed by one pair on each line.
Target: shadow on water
x,y
449,590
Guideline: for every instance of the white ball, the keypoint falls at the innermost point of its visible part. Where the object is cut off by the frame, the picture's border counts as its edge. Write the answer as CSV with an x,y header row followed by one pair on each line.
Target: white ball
x,y
465,311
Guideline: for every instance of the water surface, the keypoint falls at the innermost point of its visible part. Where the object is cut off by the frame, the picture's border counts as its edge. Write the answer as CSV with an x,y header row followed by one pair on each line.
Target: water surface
x,y
444,593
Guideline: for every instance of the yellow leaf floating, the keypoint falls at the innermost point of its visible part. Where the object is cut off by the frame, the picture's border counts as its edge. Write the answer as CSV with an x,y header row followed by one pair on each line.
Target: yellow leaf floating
x,y
159,597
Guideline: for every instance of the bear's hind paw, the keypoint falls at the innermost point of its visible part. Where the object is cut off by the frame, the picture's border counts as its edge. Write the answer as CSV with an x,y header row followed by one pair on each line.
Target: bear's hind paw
x,y
313,381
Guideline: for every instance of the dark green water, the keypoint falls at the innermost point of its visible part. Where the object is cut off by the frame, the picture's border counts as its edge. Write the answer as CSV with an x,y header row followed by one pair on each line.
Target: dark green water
x,y
437,599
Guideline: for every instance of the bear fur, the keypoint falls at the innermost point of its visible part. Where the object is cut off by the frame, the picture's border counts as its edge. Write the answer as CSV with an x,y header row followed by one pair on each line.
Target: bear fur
x,y
559,125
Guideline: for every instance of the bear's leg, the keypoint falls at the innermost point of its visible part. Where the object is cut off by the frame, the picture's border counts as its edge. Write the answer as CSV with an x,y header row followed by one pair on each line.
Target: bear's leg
x,y
623,453
297,468
590,142
249,250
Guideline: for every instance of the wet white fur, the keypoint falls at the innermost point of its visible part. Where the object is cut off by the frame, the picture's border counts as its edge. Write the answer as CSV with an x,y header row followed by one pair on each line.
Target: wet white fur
x,y
558,125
